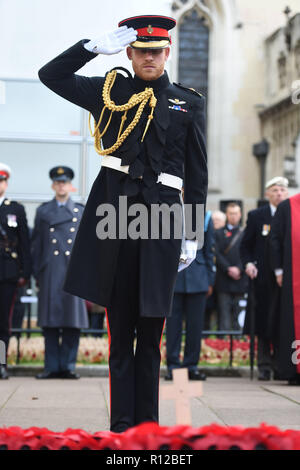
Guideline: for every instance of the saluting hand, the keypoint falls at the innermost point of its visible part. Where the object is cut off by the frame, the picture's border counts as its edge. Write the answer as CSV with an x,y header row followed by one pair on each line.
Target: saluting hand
x,y
112,42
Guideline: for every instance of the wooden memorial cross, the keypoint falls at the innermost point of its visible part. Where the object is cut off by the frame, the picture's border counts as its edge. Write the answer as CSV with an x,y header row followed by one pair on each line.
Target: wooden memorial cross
x,y
181,391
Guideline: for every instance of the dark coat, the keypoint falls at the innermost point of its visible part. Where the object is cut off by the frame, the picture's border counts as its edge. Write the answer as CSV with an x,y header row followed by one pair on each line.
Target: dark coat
x,y
255,249
224,283
15,259
285,254
174,143
201,273
52,240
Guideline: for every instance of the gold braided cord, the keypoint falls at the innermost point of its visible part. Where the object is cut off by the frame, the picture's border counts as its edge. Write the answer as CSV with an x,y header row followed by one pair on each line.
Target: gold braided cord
x,y
140,99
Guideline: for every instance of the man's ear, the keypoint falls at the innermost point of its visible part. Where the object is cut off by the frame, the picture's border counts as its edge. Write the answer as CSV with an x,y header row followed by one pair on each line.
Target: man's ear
x,y
129,53
167,52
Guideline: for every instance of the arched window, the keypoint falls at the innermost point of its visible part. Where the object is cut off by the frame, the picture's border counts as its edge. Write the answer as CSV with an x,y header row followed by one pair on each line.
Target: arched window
x,y
193,51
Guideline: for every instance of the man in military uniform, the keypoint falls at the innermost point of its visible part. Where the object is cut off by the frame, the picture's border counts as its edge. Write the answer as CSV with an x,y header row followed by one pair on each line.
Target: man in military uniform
x,y
151,134
15,266
59,313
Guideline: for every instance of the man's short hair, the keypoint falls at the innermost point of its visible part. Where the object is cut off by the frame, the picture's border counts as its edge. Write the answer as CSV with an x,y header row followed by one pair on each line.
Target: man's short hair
x,y
232,205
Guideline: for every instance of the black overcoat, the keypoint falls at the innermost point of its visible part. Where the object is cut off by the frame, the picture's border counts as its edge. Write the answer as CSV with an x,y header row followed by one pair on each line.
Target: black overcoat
x,y
174,144
255,249
225,259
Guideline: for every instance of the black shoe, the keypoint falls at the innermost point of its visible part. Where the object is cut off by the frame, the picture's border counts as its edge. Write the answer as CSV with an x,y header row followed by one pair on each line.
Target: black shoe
x,y
169,375
68,374
264,375
277,376
294,380
3,373
48,375
196,375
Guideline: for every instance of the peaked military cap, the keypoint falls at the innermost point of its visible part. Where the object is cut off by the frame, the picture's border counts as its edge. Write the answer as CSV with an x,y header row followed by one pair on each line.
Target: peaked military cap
x,y
5,171
278,181
61,173
152,31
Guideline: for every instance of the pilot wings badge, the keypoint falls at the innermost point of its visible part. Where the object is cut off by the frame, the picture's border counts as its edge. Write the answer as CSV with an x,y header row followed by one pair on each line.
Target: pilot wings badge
x,y
176,101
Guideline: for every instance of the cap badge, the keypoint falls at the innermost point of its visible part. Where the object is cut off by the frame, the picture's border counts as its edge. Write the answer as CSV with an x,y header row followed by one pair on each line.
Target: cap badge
x,y
150,29
60,171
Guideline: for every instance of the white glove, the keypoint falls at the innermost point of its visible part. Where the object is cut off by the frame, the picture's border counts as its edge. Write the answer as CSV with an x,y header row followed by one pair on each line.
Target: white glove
x,y
112,42
188,254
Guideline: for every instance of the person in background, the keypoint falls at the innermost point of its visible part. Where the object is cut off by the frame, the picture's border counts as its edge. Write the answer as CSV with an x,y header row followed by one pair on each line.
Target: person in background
x,y
254,251
231,280
15,262
219,219
59,313
96,317
193,286
211,309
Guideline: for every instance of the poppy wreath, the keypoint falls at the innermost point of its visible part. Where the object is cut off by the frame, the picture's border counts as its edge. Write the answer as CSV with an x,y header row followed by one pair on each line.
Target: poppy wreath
x,y
151,436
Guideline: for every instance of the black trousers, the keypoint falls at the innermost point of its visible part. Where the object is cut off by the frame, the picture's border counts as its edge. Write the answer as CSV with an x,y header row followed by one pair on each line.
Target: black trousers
x,y
133,373
7,296
191,307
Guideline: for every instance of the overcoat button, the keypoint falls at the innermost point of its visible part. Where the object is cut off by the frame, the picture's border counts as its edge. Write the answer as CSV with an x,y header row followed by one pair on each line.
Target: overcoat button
x,y
56,252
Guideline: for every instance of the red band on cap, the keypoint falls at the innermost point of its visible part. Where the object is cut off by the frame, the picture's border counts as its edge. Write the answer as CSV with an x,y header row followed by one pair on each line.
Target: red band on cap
x,y
154,32
4,173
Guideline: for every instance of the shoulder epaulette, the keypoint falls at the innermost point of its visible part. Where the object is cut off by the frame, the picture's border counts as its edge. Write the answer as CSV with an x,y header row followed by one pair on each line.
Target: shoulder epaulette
x,y
192,90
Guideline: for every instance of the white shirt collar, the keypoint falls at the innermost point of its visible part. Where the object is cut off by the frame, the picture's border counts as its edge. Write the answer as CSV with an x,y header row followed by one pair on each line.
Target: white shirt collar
x,y
2,199
273,209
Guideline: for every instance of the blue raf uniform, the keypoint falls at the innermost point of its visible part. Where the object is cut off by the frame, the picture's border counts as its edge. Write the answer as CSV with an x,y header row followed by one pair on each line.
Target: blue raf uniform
x,y
191,288
54,233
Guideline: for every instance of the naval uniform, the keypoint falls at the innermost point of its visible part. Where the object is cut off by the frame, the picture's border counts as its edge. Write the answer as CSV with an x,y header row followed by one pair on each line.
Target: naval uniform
x,y
133,279
14,259
53,237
